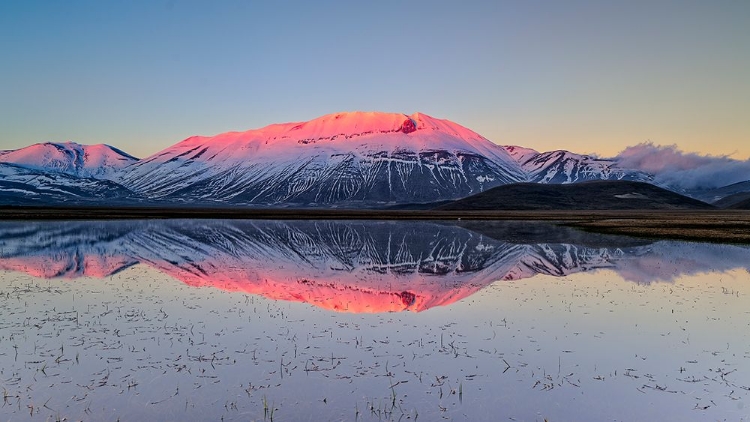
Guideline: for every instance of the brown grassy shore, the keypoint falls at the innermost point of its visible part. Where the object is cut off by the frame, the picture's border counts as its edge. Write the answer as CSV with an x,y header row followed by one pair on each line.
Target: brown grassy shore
x,y
705,225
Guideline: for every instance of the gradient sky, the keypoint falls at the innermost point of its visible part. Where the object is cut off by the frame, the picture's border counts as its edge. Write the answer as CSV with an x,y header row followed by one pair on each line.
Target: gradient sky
x,y
588,76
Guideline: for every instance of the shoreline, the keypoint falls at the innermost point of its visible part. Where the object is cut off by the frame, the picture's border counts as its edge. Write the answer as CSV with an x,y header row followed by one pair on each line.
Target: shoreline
x,y
724,226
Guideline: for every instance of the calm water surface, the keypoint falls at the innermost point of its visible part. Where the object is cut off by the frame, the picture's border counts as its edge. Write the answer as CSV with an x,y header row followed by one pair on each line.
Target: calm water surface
x,y
284,320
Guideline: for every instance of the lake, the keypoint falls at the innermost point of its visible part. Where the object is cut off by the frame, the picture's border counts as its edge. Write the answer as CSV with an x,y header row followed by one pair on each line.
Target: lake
x,y
367,320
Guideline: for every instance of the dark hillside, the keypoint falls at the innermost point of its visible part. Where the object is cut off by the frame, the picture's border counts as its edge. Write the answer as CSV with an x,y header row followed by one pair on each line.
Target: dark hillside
x,y
595,195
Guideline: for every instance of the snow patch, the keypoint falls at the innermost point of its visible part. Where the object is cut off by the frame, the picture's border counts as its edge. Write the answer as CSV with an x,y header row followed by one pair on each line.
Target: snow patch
x,y
633,195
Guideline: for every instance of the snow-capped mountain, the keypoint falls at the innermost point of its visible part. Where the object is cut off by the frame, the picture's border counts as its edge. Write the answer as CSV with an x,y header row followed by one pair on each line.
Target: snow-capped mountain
x,y
21,185
92,161
355,159
358,156
566,167
370,266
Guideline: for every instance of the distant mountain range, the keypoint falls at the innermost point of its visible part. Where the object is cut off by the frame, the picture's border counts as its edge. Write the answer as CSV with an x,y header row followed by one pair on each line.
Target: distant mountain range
x,y
357,159
557,167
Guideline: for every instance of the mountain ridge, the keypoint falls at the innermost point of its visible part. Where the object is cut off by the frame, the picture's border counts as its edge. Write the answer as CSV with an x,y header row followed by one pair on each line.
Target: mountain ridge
x,y
561,166
351,159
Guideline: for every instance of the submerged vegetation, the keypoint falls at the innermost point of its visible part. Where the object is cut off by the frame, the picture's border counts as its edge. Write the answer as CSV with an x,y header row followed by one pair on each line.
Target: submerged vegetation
x,y
139,345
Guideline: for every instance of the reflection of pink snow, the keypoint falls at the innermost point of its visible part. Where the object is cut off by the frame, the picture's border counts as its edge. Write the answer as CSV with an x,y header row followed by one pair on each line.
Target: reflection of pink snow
x,y
359,267
65,266
364,289
360,291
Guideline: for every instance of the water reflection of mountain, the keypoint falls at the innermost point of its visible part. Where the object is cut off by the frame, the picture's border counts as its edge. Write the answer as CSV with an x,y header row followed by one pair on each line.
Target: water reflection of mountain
x,y
373,266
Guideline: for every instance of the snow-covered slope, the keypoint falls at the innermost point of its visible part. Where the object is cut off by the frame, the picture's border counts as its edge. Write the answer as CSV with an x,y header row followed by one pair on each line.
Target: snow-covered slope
x,y
21,185
358,156
97,161
567,167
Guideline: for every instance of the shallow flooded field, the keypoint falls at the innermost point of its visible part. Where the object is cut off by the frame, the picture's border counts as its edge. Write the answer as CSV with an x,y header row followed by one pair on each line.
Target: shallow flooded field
x,y
212,320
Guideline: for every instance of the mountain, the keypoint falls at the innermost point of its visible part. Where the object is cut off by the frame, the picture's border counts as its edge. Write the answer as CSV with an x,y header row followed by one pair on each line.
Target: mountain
x,y
561,166
340,158
744,204
592,195
723,196
351,160
21,185
89,161
732,200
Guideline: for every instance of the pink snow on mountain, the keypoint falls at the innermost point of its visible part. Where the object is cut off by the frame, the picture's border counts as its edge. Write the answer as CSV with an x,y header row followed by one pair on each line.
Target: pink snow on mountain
x,y
100,160
317,144
336,129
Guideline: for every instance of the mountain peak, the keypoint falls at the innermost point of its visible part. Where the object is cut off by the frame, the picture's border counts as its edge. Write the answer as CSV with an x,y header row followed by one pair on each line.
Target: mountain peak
x,y
341,126
70,157
348,156
561,166
354,122
520,154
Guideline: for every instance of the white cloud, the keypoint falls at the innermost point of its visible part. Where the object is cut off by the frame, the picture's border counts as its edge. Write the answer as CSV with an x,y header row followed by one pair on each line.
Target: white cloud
x,y
675,168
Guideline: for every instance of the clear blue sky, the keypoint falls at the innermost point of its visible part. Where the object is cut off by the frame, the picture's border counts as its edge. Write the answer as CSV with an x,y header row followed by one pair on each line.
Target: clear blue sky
x,y
590,76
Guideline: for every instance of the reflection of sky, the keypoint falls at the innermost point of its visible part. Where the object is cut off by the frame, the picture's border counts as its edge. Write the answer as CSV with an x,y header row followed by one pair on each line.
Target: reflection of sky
x,y
599,325
667,261
588,346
